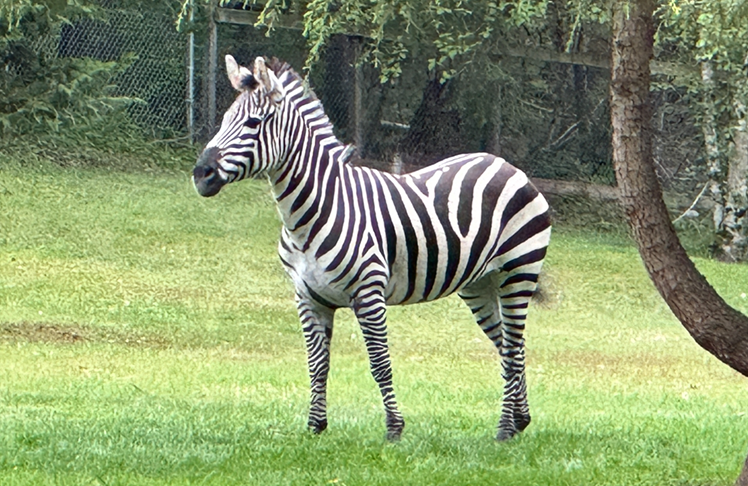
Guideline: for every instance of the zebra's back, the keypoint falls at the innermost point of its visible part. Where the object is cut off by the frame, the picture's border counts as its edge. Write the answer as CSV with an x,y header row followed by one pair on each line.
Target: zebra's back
x,y
450,224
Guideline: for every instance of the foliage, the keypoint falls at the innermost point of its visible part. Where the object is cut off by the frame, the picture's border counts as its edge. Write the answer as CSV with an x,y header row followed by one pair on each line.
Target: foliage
x,y
41,92
50,93
117,144
714,32
445,34
714,36
442,31
15,14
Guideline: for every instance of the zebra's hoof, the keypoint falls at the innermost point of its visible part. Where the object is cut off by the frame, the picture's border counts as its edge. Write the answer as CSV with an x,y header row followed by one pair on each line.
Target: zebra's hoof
x,y
521,421
504,435
506,431
317,426
395,429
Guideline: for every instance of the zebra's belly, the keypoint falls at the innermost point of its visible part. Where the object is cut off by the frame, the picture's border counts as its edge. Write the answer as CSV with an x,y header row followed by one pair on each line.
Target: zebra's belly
x,y
312,282
401,290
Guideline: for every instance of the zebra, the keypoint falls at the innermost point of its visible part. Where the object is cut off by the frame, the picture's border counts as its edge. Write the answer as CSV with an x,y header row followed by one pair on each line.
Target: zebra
x,y
364,239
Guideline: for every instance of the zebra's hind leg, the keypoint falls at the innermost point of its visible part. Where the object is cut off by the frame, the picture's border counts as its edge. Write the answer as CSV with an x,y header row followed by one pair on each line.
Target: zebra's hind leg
x,y
506,334
515,293
370,309
316,322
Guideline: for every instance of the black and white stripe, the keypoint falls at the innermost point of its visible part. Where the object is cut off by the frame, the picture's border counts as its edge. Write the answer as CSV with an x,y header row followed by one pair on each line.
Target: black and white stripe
x,y
364,239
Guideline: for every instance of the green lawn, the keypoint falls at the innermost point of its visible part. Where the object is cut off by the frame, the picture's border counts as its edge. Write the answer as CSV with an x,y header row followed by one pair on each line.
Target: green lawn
x,y
149,336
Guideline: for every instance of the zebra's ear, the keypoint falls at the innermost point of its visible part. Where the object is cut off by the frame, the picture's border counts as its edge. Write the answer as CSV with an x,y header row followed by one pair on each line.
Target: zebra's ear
x,y
269,80
241,78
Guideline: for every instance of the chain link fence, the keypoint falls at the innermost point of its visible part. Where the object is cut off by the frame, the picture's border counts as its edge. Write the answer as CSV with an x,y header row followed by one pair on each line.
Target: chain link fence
x,y
549,118
144,38
157,74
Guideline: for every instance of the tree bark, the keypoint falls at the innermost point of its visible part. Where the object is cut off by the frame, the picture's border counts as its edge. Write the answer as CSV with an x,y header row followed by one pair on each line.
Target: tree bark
x,y
711,144
714,325
743,478
338,92
210,75
735,221
434,132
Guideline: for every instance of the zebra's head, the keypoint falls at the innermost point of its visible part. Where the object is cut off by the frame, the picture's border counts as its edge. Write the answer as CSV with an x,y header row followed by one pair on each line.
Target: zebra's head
x,y
240,149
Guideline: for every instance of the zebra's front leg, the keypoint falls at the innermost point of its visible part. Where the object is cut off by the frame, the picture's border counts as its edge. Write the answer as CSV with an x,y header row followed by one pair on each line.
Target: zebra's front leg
x,y
371,311
316,322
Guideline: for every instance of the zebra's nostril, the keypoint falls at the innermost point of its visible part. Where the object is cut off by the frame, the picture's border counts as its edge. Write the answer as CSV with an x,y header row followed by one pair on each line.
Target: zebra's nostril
x,y
202,172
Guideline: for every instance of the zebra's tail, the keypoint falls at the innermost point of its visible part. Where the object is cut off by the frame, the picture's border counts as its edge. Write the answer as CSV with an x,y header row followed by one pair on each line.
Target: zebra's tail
x,y
547,295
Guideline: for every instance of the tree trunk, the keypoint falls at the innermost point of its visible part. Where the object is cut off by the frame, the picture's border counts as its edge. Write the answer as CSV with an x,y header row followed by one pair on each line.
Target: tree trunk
x,y
735,222
434,132
338,93
711,144
714,325
210,76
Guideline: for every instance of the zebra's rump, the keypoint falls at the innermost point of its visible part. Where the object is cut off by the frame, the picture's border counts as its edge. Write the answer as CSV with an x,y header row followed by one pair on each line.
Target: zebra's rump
x,y
452,223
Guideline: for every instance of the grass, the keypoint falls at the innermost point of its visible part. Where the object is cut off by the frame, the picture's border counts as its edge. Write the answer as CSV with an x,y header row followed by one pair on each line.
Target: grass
x,y
149,336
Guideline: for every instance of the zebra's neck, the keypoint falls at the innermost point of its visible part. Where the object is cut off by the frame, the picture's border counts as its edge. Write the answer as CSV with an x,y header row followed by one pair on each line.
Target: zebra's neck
x,y
307,185
311,193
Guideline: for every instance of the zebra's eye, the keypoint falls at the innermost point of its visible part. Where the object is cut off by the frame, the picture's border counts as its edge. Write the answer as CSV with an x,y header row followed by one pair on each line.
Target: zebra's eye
x,y
252,122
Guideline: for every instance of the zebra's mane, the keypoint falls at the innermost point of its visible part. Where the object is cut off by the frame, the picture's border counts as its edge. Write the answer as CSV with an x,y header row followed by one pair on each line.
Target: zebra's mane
x,y
314,109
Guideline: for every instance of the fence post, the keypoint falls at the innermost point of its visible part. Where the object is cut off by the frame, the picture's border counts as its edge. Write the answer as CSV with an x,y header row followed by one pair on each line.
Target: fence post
x,y
191,77
212,66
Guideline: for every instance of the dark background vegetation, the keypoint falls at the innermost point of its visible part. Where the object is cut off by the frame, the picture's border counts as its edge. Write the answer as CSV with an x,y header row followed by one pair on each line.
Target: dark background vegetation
x,y
117,70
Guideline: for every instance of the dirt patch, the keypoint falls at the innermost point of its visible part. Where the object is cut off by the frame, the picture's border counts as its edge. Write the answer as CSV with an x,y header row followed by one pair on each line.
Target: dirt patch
x,y
44,332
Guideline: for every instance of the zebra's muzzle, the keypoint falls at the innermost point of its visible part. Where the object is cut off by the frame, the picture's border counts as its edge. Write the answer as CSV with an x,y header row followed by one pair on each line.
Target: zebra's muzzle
x,y
207,174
